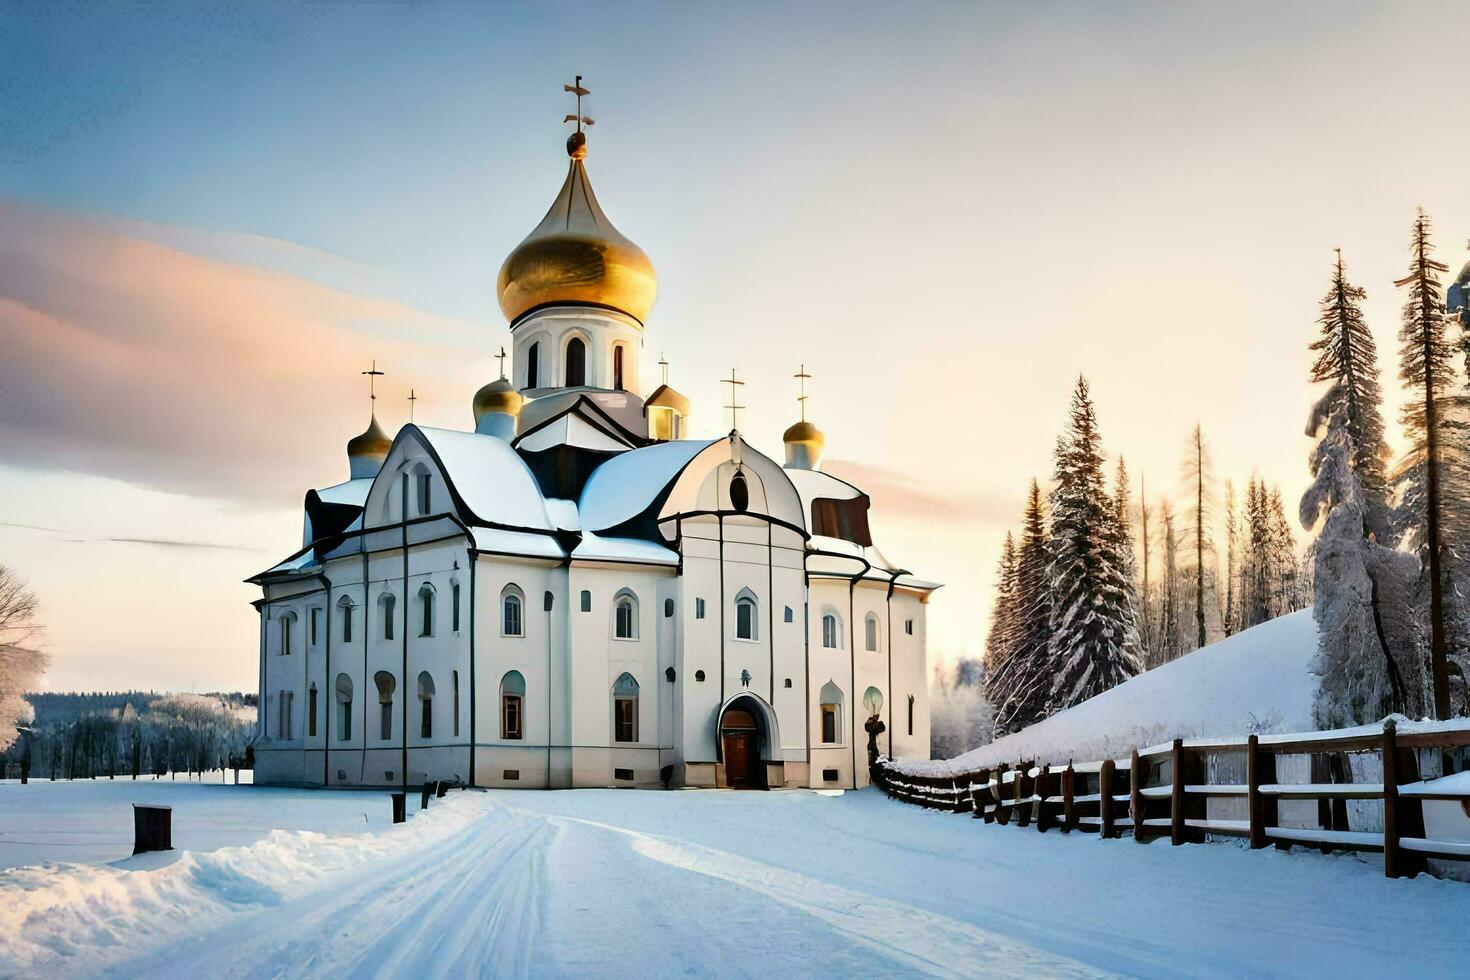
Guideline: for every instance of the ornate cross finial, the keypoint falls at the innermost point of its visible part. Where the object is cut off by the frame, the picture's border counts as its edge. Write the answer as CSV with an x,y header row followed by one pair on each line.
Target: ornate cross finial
x,y
734,405
373,374
501,358
411,399
663,367
801,379
577,142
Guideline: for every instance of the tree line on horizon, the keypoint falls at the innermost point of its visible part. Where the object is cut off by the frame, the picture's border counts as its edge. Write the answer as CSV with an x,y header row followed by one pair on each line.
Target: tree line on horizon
x,y
1098,586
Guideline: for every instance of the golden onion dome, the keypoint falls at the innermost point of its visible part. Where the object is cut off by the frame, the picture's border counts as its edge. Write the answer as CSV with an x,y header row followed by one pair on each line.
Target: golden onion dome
x,y
805,434
372,444
497,396
666,397
575,256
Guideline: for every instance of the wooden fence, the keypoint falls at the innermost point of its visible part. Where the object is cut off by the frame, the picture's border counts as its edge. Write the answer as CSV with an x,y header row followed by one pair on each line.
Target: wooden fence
x,y
1166,791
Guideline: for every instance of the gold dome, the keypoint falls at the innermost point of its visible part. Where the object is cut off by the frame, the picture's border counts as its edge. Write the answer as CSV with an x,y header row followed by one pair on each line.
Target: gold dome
x,y
576,256
497,396
805,434
372,444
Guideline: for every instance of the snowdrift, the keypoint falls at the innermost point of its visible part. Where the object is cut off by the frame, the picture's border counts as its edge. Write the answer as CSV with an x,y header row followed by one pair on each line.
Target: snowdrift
x,y
1255,681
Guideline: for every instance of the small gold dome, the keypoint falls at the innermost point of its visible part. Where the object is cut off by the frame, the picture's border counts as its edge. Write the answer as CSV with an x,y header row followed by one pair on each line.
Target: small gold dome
x,y
666,397
576,256
372,444
497,396
806,434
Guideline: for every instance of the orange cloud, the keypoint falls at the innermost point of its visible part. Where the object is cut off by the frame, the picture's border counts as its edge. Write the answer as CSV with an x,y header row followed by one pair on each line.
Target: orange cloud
x,y
130,359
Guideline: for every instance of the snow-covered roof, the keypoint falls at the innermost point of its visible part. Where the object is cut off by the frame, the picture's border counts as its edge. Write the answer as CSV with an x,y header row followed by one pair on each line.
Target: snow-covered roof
x,y
624,486
816,485
352,492
595,548
563,514
490,478
502,542
570,430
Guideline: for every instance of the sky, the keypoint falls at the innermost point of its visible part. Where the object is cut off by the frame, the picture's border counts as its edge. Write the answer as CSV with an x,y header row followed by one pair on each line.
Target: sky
x,y
212,218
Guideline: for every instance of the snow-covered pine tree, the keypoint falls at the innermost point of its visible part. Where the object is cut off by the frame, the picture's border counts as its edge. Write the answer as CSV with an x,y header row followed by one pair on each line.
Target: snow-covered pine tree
x,y
1426,370
1347,360
1094,641
1367,659
1123,529
1168,643
1197,478
1231,614
1287,589
999,642
1255,567
1013,689
1145,596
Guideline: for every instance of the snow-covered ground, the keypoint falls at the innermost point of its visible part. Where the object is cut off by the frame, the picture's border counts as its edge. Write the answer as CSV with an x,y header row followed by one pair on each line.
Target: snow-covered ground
x,y
1255,681
621,883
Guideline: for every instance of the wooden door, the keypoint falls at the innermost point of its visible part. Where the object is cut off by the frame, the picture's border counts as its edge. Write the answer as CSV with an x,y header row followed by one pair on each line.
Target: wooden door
x,y
737,759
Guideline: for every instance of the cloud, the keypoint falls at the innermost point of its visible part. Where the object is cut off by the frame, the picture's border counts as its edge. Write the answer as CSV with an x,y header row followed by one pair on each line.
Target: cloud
x,y
898,494
132,359
77,537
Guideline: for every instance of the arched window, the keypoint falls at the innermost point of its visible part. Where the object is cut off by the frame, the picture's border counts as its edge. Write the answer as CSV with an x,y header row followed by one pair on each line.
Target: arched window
x,y
425,483
311,711
426,610
533,365
576,374
512,696
668,608
625,709
739,493
344,707
870,631
831,631
625,616
386,684
911,714
831,714
344,611
454,606
511,605
745,615
288,620
426,705
386,604
618,367
699,676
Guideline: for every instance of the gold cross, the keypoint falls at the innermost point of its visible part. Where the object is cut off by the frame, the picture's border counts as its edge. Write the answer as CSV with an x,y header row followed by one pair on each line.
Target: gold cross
x,y
801,379
411,399
501,357
577,90
734,405
373,375
664,368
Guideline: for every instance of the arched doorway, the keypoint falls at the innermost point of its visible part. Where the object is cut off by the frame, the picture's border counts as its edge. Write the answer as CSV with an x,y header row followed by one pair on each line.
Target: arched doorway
x,y
747,738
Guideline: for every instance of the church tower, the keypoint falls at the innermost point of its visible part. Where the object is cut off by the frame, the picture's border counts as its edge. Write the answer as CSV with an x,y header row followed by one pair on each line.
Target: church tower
x,y
577,291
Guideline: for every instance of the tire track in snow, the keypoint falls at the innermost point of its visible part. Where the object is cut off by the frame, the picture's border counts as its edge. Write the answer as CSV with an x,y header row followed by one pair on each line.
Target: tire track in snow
x,y
919,939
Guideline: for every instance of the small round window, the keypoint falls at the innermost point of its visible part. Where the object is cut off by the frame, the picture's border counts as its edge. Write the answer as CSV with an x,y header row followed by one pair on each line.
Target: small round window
x,y
739,493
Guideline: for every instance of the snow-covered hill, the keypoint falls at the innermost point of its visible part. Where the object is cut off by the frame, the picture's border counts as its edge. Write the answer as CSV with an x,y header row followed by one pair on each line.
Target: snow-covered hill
x,y
1255,681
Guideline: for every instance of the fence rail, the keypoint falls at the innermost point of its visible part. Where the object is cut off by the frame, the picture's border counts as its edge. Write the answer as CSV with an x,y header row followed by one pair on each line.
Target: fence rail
x,y
1163,791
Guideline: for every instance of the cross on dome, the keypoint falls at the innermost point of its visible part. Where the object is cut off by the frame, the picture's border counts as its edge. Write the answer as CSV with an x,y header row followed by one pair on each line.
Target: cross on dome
x,y
734,405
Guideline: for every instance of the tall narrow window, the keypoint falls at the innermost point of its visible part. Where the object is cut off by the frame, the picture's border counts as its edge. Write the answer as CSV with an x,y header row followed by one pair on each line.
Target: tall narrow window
x,y
386,684
511,607
625,618
454,611
625,709
618,367
286,621
586,600
386,604
344,708
311,617
426,705
344,609
911,714
576,374
454,683
512,696
745,618
870,631
311,711
283,717
698,608
424,481
426,610
908,626
831,713
831,633
533,365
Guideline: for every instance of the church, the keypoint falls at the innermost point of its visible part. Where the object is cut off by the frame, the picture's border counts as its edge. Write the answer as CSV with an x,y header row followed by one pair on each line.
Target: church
x,y
575,592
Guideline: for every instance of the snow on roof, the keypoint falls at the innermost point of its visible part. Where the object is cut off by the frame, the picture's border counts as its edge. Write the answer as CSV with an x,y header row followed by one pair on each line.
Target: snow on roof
x,y
517,543
352,492
491,479
814,484
596,548
624,486
563,514
570,430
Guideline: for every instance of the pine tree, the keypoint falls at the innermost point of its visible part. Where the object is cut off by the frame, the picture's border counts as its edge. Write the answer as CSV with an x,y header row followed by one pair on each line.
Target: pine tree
x,y
1000,641
1232,551
1145,597
1255,571
1123,529
1426,370
1347,360
1012,688
1094,641
1169,645
1197,475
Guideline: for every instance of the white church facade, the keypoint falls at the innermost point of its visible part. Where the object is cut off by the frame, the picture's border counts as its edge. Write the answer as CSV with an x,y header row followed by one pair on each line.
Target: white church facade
x,y
575,593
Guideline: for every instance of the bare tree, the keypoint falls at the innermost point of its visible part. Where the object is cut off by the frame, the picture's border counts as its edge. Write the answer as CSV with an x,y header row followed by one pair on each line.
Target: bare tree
x,y
22,662
1197,475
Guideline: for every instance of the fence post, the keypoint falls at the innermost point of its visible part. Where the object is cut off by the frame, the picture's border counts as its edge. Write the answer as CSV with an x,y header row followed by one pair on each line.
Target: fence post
x,y
1176,793
1105,779
1068,817
1135,796
1392,860
980,778
1043,787
1023,813
1253,792
1002,814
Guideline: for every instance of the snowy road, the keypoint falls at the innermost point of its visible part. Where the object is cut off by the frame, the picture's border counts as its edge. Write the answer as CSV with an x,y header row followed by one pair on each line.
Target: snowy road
x,y
614,883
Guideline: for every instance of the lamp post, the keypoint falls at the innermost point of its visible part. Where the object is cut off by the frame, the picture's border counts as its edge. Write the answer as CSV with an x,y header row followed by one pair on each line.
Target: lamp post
x,y
873,702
